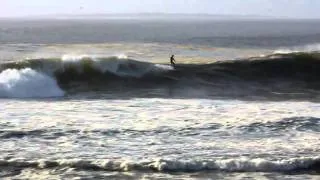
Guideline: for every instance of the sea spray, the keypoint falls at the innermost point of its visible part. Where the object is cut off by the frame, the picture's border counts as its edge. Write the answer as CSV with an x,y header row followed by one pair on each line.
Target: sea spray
x,y
296,49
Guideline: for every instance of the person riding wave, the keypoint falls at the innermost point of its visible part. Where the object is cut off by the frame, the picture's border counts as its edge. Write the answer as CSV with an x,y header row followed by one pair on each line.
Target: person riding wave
x,y
172,61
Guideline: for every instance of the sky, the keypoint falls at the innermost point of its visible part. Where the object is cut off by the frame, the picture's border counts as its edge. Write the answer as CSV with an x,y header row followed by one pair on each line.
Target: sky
x,y
273,8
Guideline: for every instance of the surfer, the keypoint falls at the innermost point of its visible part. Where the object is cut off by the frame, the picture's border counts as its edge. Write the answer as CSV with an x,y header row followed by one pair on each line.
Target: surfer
x,y
172,61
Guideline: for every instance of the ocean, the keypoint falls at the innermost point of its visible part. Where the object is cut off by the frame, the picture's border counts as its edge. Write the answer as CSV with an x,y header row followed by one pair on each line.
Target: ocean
x,y
98,99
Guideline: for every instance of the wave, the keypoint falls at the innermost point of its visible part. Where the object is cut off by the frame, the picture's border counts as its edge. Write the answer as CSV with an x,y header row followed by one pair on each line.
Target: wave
x,y
302,124
297,49
291,75
27,83
296,123
296,165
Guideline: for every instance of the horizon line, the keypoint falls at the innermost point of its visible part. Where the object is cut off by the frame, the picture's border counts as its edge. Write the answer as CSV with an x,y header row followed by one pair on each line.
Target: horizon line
x,y
147,15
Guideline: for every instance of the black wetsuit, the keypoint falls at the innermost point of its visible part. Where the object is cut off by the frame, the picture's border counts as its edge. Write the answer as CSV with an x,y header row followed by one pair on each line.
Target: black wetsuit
x,y
172,60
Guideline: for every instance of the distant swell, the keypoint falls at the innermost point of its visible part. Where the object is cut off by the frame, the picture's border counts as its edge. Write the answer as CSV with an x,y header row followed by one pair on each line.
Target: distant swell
x,y
296,165
293,75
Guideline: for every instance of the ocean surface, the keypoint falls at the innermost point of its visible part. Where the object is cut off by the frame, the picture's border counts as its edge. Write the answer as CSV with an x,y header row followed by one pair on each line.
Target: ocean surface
x,y
98,99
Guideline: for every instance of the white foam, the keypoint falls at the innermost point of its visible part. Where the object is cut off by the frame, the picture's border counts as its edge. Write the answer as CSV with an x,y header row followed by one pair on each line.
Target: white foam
x,y
76,58
234,165
284,51
122,56
305,48
73,58
230,165
27,83
164,67
162,165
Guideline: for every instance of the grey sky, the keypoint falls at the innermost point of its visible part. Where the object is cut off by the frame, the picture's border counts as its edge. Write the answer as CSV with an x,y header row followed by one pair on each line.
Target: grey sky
x,y
276,8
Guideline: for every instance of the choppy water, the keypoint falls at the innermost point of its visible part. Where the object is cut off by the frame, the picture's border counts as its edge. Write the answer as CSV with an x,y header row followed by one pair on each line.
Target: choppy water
x,y
113,109
62,137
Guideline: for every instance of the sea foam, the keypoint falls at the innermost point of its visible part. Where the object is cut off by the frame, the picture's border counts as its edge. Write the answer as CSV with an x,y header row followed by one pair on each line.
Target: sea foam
x,y
296,49
27,83
302,164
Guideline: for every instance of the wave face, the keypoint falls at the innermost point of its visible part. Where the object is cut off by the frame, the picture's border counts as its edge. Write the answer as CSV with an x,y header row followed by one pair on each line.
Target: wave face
x,y
291,74
27,83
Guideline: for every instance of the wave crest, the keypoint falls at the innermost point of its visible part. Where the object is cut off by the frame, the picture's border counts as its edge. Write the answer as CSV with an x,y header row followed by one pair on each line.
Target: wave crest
x,y
303,164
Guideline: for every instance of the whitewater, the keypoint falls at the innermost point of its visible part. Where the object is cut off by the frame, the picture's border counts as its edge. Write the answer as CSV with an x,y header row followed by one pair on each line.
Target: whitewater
x,y
100,100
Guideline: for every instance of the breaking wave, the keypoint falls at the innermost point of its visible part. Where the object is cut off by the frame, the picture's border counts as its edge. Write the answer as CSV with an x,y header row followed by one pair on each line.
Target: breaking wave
x,y
297,49
27,82
293,74
296,165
